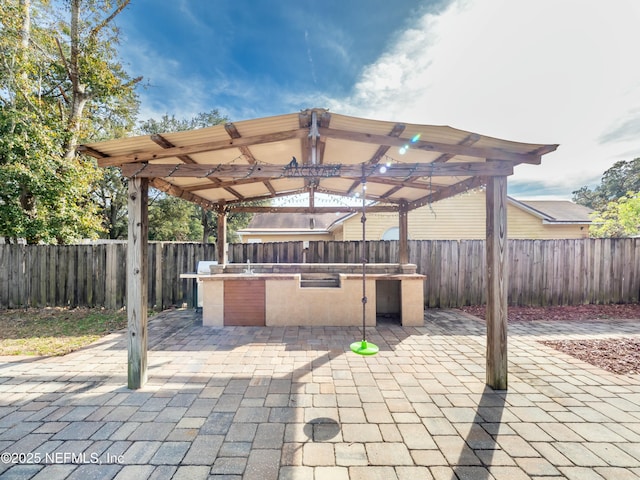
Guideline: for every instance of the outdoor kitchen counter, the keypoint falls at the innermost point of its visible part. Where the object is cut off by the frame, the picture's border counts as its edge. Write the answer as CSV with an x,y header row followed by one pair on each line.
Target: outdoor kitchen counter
x,y
283,299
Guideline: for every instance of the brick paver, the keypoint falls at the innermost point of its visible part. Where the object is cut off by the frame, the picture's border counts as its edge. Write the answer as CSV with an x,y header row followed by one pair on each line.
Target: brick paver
x,y
294,403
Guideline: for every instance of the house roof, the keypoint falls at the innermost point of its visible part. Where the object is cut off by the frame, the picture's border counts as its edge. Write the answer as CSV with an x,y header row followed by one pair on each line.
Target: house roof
x,y
550,211
402,163
556,211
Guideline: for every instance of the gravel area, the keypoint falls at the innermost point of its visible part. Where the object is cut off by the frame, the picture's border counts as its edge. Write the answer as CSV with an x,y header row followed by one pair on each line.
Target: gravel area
x,y
616,355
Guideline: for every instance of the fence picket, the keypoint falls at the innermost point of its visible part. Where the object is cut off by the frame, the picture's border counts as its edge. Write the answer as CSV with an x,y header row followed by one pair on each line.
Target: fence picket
x,y
542,272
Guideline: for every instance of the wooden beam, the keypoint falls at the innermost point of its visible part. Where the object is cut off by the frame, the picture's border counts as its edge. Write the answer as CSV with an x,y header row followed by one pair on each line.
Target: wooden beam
x,y
148,155
467,150
269,196
396,131
390,192
266,171
91,152
235,193
447,192
233,132
323,122
164,143
272,190
176,191
221,240
411,182
403,227
370,196
470,140
497,278
304,121
317,210
137,267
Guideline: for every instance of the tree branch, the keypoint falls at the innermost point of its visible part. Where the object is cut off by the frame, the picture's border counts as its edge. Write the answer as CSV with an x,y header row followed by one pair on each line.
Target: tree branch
x,y
95,30
64,59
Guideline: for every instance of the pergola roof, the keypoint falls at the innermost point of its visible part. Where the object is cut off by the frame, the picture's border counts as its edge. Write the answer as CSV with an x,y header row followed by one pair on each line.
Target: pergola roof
x,y
403,164
317,151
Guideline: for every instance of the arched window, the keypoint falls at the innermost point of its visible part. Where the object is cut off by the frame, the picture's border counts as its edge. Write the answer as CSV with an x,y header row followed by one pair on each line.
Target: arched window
x,y
392,233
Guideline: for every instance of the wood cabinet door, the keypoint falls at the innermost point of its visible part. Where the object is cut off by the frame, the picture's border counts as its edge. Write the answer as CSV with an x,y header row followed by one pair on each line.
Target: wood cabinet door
x,y
244,303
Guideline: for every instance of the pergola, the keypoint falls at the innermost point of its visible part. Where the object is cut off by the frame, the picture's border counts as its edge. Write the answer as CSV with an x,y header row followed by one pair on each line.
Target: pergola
x,y
404,166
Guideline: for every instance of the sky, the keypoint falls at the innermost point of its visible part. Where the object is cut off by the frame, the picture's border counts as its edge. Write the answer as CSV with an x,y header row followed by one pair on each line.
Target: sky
x,y
538,71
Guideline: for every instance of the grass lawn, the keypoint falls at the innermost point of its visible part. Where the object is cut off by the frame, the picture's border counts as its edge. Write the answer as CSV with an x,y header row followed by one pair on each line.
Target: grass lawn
x,y
55,331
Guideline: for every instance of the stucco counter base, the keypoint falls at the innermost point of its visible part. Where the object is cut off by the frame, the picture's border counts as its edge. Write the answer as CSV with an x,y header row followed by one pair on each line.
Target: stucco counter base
x,y
273,299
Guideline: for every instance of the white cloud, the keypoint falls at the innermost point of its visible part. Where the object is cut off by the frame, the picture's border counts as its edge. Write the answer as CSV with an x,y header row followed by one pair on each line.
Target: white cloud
x,y
543,71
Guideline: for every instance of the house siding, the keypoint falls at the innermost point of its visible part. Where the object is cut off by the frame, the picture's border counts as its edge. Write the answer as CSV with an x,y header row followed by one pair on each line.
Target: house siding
x,y
460,218
248,238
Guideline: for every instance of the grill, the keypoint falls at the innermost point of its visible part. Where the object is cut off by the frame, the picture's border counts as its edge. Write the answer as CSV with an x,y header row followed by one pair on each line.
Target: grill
x,y
203,268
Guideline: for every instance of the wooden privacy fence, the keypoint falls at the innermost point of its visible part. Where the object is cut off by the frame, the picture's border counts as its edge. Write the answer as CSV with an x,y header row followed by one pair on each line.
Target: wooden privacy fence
x,y
542,272
94,275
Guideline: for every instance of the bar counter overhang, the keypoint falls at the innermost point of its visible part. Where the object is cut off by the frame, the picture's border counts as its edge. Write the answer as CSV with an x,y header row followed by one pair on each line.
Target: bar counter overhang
x,y
310,294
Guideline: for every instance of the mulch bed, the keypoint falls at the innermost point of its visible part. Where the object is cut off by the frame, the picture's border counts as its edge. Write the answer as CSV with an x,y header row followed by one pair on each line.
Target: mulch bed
x,y
616,355
629,311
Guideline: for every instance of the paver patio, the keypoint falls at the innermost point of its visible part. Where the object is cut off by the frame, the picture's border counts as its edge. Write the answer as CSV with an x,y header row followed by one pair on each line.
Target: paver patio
x,y
294,403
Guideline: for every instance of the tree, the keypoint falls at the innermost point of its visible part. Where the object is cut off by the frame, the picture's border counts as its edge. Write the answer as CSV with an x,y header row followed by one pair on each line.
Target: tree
x,y
171,218
60,83
616,182
621,218
207,219
110,195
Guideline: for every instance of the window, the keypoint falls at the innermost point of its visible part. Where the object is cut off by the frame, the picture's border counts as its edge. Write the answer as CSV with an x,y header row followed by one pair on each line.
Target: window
x,y
391,234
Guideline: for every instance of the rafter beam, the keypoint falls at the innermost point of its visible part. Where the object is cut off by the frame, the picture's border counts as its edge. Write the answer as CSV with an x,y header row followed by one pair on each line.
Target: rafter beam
x,y
164,143
317,210
396,131
258,198
262,172
470,140
370,196
410,182
233,132
391,191
479,152
447,192
270,188
171,189
148,155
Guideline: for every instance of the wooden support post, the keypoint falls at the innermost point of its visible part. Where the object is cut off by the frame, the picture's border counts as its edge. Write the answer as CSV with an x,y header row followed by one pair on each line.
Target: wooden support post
x,y
497,277
222,235
137,292
403,227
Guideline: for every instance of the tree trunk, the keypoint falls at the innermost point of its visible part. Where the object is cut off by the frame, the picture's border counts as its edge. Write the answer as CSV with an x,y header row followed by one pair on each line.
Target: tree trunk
x,y
25,30
78,94
208,226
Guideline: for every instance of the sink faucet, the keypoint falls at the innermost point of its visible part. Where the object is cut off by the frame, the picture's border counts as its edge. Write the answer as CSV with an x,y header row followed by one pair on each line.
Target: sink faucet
x,y
248,270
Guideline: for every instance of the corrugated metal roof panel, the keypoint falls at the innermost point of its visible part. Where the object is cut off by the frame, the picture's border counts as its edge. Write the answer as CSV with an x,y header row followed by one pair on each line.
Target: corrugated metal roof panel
x,y
350,141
